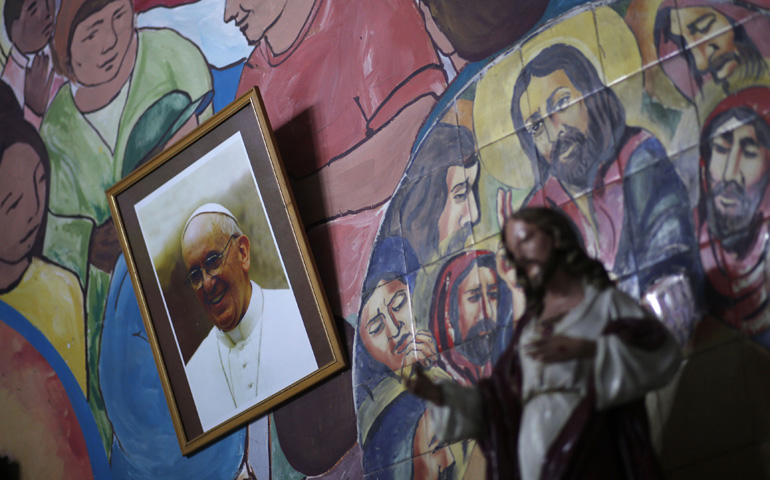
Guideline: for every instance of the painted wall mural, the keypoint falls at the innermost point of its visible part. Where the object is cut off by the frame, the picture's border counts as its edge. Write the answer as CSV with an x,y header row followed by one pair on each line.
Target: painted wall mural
x,y
409,129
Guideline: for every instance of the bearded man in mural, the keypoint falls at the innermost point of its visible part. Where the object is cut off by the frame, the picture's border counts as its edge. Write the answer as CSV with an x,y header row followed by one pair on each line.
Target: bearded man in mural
x,y
733,211
470,304
720,42
573,129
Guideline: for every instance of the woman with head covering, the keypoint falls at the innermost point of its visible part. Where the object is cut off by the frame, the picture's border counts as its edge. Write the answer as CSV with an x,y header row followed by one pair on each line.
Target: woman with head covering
x,y
471,307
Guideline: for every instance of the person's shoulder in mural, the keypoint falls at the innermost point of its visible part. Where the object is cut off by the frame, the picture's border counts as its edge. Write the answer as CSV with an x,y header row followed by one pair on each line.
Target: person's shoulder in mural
x,y
29,71
733,210
583,353
332,83
472,31
144,443
574,132
258,345
46,294
720,42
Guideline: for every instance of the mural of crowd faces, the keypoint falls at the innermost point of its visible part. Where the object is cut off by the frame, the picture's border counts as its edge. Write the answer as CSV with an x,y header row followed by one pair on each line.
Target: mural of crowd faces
x,y
560,134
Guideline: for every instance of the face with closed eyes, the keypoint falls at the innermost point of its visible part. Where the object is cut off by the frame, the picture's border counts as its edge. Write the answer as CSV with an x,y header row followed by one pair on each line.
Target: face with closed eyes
x,y
710,39
385,325
254,18
23,190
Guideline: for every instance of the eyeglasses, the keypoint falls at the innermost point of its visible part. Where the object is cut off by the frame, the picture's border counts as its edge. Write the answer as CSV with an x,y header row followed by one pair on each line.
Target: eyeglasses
x,y
213,266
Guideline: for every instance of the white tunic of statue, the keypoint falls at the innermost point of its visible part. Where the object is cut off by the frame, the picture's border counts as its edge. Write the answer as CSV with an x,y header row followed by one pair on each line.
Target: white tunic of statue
x,y
551,392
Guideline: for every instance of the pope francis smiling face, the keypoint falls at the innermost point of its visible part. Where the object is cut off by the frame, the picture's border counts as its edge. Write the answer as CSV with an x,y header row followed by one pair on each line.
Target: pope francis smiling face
x,y
217,263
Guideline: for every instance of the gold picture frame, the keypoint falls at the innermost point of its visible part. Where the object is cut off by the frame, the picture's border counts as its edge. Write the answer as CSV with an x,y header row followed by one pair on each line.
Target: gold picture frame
x,y
230,161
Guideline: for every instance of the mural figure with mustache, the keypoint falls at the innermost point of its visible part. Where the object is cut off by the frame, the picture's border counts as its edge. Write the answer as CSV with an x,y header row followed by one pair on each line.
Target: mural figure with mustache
x,y
566,398
574,131
259,345
470,302
733,210
720,42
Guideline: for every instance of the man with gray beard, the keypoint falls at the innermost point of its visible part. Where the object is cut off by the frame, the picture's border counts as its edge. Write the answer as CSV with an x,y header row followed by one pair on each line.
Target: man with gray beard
x,y
635,218
733,208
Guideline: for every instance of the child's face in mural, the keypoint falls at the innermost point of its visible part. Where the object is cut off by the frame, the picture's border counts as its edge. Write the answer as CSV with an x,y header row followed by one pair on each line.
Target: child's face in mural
x,y
558,122
100,43
254,18
23,189
460,209
34,27
477,302
385,323
738,172
715,55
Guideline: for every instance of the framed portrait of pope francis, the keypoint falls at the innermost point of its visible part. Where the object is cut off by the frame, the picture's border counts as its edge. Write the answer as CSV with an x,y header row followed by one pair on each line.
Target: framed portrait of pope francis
x,y
226,284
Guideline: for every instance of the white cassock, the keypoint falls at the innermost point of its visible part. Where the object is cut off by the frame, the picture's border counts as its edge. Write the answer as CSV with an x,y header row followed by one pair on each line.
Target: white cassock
x,y
268,351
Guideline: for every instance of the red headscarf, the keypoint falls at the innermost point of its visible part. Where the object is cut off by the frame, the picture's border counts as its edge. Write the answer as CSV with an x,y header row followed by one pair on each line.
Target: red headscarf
x,y
440,315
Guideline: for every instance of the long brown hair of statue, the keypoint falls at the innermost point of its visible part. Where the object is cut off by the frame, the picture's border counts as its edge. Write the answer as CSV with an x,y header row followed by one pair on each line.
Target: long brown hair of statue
x,y
568,249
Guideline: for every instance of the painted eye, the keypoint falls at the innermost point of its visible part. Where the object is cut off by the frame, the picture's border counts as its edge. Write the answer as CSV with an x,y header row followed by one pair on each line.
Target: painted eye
x,y
536,128
720,149
375,325
398,301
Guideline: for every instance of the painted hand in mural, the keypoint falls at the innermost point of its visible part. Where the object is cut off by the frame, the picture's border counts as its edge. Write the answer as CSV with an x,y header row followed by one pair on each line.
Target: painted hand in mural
x,y
505,206
37,84
419,384
422,350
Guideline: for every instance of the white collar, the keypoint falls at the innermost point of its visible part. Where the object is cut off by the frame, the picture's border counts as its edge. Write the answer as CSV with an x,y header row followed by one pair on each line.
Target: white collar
x,y
251,320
